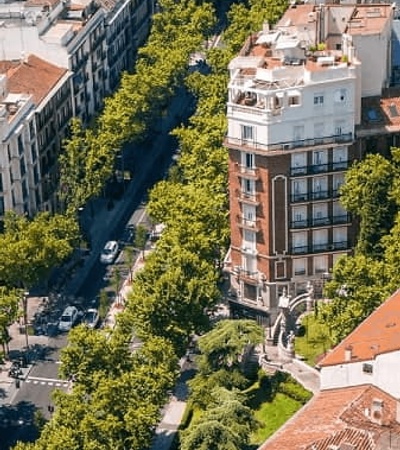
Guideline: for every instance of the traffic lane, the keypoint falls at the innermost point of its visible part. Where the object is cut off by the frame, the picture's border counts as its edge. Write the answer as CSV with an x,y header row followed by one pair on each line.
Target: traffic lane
x,y
45,369
38,392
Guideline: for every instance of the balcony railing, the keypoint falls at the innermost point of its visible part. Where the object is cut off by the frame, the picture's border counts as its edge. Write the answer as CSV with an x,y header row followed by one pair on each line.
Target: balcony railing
x,y
300,197
320,221
249,172
288,145
318,168
320,248
249,224
248,197
320,195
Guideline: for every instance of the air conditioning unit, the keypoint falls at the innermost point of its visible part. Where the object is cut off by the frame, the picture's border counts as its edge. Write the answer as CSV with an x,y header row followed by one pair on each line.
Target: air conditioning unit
x,y
285,146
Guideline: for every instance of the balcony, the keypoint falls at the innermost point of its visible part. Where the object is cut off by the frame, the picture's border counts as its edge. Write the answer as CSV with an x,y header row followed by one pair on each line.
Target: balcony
x,y
300,249
239,143
320,195
304,223
341,245
322,247
340,219
318,168
299,197
251,277
247,224
249,172
320,221
248,197
248,250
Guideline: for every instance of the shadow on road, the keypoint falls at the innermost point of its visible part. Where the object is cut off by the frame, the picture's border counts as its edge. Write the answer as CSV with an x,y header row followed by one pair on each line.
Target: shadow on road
x,y
17,422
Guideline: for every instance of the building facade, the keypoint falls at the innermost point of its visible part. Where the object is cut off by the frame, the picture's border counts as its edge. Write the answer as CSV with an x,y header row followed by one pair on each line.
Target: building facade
x,y
295,110
93,39
40,95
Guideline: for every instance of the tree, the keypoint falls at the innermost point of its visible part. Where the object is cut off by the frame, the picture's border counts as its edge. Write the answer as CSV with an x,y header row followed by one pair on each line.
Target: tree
x,y
141,238
9,299
226,424
366,194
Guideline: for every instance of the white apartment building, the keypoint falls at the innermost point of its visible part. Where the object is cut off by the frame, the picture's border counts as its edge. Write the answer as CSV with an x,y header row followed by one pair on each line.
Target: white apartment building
x,y
36,106
294,107
77,35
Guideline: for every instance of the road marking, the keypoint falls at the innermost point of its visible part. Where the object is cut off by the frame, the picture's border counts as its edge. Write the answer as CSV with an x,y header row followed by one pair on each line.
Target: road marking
x,y
48,381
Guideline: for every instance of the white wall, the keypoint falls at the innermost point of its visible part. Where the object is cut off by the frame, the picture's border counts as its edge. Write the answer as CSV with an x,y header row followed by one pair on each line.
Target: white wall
x,y
386,375
372,51
344,375
274,129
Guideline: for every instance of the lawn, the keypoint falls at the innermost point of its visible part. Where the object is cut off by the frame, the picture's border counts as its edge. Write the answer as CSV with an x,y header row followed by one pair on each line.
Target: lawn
x,y
272,415
314,342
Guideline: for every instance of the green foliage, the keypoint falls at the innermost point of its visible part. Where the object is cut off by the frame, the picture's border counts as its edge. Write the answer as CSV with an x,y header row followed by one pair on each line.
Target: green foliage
x,y
226,424
366,194
9,299
140,237
315,341
30,249
104,304
226,345
295,391
357,288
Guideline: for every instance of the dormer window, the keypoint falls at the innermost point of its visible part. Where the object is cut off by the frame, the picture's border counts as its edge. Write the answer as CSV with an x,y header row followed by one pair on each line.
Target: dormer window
x,y
367,368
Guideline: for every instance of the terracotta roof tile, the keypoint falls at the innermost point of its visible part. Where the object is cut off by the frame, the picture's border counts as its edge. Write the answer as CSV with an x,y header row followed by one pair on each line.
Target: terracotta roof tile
x,y
36,77
379,333
338,417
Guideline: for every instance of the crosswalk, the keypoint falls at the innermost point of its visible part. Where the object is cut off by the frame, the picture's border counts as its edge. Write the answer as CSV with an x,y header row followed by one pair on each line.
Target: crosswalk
x,y
47,381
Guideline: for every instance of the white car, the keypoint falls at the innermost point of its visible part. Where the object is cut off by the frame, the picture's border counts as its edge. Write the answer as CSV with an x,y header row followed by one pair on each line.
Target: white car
x,y
91,318
109,253
68,318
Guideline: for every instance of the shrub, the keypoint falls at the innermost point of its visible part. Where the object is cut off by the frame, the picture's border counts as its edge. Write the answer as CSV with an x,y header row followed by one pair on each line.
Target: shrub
x,y
295,391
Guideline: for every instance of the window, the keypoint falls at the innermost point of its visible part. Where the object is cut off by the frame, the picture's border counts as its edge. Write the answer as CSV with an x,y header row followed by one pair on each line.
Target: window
x,y
33,151
367,368
339,158
340,127
20,145
249,239
299,163
1,182
300,242
320,214
299,190
249,263
249,186
320,264
294,100
338,181
320,188
248,160
247,133
249,212
319,130
320,240
1,206
340,238
298,132
318,99
22,167
299,216
299,266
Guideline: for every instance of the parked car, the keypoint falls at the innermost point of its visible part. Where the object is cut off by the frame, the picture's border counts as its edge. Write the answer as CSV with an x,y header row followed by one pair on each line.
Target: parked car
x,y
91,318
69,318
109,253
128,235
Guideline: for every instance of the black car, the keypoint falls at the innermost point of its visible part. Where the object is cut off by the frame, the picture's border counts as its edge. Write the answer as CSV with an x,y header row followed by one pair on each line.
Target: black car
x,y
128,235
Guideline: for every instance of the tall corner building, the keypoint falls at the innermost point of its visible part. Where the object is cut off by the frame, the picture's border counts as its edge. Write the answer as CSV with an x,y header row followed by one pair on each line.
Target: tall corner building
x,y
300,111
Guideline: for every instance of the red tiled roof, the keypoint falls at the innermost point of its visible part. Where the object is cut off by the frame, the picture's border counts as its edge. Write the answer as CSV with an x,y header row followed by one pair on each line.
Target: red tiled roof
x,y
379,333
340,417
36,77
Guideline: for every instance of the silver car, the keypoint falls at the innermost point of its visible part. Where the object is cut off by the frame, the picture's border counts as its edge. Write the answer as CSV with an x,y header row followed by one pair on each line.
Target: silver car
x,y
91,318
109,253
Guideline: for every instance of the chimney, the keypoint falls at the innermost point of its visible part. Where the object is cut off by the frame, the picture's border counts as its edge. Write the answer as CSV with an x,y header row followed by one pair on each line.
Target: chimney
x,y
348,353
